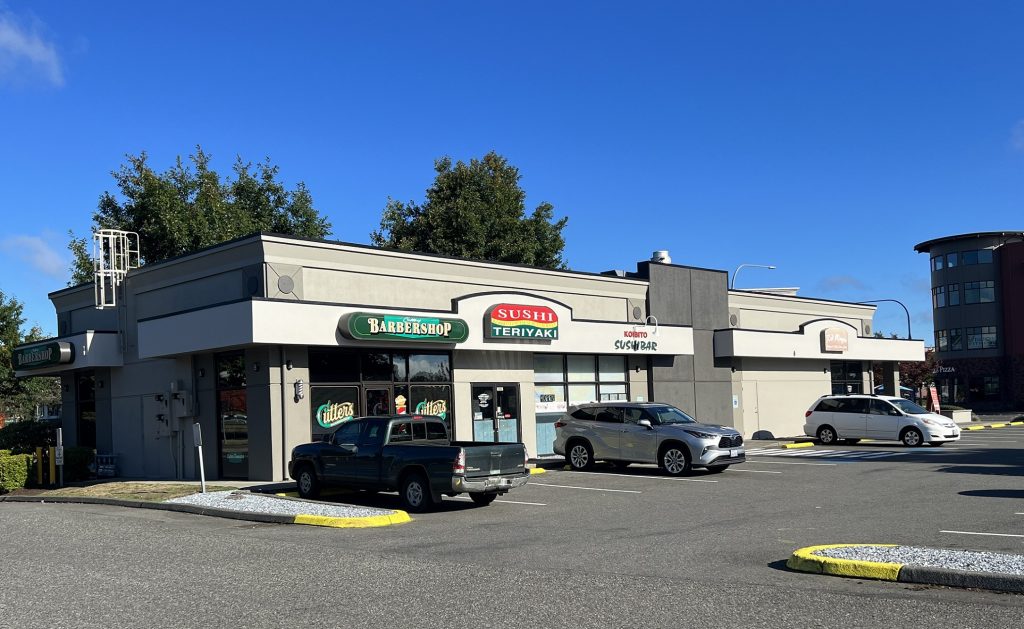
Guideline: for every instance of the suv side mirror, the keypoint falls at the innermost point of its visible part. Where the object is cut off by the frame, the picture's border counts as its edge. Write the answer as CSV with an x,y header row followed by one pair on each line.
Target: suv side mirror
x,y
646,423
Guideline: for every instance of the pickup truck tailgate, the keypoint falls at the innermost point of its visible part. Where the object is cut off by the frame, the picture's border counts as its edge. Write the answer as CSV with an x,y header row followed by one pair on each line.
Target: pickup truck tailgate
x,y
494,459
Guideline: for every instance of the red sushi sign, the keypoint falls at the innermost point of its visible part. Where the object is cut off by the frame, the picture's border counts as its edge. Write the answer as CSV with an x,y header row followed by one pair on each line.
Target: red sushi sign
x,y
516,321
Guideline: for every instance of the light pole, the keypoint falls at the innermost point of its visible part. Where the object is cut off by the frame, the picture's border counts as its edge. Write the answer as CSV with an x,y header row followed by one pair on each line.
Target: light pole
x,y
737,271
895,301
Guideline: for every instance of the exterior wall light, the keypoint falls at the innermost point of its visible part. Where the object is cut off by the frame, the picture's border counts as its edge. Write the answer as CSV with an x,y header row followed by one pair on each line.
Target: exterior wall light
x,y
300,390
255,367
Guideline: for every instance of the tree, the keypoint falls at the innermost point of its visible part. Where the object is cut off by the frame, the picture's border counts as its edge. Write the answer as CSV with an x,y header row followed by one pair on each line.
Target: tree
x,y
476,211
20,397
190,207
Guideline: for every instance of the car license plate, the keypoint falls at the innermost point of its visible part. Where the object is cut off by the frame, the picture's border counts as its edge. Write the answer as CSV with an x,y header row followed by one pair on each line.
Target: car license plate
x,y
734,453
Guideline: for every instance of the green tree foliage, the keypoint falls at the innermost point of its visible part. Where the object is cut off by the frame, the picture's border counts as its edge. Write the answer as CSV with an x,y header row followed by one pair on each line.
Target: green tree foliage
x,y
19,397
476,211
190,206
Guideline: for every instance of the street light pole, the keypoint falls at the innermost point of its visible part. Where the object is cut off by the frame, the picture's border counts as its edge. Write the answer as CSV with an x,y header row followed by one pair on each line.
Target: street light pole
x,y
895,301
737,271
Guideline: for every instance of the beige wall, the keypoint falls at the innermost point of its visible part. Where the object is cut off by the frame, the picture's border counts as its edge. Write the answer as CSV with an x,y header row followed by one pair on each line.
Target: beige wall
x,y
775,393
469,367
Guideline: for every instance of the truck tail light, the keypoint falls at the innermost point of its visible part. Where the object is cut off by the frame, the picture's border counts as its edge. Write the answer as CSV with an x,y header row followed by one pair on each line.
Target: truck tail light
x,y
560,424
460,463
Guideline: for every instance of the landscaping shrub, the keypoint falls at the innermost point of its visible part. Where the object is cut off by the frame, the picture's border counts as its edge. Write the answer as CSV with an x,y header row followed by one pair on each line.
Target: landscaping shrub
x,y
14,471
25,436
78,463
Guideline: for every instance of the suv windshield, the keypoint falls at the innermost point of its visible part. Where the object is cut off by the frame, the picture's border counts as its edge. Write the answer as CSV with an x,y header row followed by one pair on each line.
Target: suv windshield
x,y
909,407
669,415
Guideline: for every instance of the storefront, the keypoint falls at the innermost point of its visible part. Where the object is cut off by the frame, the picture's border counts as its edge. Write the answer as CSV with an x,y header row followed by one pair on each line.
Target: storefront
x,y
268,342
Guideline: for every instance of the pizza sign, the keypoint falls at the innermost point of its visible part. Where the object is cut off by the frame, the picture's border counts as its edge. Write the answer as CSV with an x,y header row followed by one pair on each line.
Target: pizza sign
x,y
516,321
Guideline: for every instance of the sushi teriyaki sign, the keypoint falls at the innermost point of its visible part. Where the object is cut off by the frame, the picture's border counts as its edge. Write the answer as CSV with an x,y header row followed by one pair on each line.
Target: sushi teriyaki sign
x,y
516,321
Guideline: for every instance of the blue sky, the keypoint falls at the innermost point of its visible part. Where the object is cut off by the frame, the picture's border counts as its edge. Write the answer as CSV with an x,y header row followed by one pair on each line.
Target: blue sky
x,y
826,138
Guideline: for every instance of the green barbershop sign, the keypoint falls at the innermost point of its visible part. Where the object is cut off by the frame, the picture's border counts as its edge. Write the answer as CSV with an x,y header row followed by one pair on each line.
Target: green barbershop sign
x,y
368,326
42,355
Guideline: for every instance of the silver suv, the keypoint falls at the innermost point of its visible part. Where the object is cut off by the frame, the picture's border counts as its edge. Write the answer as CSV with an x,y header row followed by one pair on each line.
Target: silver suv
x,y
644,432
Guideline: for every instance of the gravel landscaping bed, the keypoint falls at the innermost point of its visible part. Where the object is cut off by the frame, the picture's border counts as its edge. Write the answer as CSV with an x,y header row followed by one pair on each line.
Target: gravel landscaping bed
x,y
970,560
258,503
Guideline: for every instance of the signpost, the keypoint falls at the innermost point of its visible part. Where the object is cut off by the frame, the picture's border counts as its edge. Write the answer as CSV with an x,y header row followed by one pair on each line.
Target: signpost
x,y
197,438
58,455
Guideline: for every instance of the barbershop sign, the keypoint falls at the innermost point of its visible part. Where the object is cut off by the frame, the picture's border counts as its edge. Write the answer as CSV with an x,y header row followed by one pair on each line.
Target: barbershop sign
x,y
42,355
368,326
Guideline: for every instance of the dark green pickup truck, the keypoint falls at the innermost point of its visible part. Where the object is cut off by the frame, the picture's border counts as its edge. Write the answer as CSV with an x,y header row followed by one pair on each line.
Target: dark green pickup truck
x,y
410,454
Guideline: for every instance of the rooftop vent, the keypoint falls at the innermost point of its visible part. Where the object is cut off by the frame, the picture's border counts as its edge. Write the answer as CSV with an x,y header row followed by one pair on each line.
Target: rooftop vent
x,y
661,257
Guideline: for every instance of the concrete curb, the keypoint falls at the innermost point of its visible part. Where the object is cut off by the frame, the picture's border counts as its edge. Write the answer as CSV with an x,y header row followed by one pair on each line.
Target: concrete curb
x,y
804,560
799,444
537,470
396,517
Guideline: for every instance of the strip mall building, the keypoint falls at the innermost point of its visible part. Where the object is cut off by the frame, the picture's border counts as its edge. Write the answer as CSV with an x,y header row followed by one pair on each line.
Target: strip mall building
x,y
268,341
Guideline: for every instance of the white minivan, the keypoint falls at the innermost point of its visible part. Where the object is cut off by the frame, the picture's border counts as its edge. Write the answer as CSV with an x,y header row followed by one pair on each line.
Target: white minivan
x,y
854,417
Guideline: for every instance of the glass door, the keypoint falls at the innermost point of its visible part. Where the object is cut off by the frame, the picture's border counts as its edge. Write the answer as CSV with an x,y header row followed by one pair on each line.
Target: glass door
x,y
378,401
496,413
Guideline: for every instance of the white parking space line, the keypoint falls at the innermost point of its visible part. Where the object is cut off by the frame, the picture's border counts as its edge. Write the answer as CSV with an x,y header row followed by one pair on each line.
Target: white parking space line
x,y
988,534
618,491
758,471
787,463
689,480
511,502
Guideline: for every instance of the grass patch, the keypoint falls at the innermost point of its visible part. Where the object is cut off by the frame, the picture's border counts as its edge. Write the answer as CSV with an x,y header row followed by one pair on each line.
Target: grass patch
x,y
149,492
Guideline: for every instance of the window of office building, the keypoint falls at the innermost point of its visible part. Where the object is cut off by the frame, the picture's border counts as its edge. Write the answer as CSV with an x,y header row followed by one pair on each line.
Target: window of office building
x,y
937,263
956,340
976,256
942,340
938,297
983,337
953,295
951,259
979,292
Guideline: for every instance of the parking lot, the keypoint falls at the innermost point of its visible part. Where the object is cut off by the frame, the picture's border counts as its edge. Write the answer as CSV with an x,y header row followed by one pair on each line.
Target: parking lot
x,y
961,495
614,547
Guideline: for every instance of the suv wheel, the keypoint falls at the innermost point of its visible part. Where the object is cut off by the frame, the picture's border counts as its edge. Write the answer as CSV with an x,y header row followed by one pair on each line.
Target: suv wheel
x,y
580,457
827,435
675,460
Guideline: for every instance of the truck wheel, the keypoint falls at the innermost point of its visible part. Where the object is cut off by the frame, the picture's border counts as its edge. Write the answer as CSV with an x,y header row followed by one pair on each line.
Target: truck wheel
x,y
309,485
415,493
482,500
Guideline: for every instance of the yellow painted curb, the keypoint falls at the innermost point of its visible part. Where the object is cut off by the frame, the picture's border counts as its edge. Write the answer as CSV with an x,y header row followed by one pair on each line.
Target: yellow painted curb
x,y
398,517
974,428
802,444
289,494
537,470
1017,423
805,560
998,426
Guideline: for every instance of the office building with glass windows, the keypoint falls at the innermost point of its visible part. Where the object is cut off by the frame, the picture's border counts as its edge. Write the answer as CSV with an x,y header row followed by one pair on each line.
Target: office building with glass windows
x,y
268,341
978,312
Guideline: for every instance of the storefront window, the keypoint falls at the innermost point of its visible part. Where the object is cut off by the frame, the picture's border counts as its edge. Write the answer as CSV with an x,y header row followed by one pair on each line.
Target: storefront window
x,y
377,367
232,415
581,368
548,368
85,398
378,383
847,376
564,380
429,368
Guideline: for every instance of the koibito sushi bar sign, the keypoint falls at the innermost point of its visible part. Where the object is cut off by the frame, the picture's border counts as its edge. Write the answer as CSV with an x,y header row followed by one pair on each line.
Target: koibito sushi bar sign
x,y
516,321
42,355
